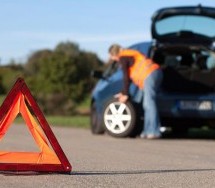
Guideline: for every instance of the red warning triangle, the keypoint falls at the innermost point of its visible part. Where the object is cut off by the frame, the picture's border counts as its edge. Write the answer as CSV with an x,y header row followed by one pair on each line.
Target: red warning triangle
x,y
18,101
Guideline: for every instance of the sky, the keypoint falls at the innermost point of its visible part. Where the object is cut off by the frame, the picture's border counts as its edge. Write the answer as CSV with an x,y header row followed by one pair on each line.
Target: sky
x,y
27,26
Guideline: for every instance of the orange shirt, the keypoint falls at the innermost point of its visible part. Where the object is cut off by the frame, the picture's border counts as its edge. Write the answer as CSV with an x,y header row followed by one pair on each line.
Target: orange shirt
x,y
138,66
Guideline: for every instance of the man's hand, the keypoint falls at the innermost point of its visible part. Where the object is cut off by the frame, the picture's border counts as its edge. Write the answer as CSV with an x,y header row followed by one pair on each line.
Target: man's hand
x,y
121,97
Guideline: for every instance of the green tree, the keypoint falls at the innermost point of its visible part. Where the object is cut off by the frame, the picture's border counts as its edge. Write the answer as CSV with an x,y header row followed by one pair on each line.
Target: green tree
x,y
8,75
61,78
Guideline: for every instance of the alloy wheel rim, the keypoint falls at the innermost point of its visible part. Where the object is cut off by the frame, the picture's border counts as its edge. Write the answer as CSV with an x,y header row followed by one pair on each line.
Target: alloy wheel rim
x,y
117,117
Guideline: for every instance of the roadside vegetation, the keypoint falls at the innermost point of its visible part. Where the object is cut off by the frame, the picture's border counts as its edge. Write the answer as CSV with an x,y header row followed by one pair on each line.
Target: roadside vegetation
x,y
77,121
80,120
60,81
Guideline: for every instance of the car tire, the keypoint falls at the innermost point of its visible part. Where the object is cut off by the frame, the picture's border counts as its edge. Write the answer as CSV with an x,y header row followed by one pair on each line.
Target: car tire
x,y
119,118
95,124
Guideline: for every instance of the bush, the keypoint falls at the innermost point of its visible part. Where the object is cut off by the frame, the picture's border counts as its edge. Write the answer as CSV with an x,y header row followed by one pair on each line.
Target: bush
x,y
60,79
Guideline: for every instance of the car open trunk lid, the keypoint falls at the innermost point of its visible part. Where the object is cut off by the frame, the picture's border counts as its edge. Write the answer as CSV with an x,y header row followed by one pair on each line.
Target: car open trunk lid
x,y
194,24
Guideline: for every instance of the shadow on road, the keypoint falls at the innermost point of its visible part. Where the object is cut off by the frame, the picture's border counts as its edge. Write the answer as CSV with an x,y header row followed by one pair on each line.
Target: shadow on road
x,y
103,173
195,133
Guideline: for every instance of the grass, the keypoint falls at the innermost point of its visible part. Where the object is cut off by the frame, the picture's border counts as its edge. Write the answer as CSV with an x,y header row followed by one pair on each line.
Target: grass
x,y
64,121
80,121
69,121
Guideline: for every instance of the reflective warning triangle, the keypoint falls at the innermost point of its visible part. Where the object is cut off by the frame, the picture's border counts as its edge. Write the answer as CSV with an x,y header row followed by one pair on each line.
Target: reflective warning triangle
x,y
20,101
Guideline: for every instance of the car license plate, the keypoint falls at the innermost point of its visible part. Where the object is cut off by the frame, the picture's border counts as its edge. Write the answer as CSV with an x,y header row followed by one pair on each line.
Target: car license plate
x,y
196,105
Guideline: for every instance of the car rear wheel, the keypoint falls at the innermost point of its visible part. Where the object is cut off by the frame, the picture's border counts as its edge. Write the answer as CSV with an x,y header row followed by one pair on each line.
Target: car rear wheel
x,y
119,118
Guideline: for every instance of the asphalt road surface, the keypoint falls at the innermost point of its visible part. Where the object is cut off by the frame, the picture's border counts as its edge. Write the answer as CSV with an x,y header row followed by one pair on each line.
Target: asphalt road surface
x,y
104,161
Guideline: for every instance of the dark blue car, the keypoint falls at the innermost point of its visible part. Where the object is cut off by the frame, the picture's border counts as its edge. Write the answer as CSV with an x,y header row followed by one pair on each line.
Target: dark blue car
x,y
184,45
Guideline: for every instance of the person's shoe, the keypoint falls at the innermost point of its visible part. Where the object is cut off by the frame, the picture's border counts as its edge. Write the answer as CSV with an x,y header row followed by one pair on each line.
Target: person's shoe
x,y
143,136
152,136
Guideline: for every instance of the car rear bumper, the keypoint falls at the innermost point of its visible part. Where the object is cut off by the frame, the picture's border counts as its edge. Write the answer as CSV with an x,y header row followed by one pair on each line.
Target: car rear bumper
x,y
187,106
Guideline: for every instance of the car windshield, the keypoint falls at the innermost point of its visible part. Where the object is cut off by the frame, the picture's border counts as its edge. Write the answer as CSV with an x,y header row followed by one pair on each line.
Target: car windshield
x,y
111,68
192,23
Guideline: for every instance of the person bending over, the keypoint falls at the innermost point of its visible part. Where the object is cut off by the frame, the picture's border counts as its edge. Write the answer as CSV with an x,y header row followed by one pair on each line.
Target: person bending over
x,y
145,74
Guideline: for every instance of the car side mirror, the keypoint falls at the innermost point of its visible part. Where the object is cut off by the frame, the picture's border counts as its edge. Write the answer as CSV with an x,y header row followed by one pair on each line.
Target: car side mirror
x,y
97,74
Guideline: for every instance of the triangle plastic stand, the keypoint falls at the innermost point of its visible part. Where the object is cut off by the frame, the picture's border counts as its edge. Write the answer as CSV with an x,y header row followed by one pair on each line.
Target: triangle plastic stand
x,y
20,101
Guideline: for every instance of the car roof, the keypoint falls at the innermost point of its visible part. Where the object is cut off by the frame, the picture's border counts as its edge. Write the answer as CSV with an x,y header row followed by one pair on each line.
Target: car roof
x,y
143,47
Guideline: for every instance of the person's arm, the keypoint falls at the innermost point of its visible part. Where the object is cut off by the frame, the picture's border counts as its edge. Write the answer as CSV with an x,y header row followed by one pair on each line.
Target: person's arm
x,y
125,64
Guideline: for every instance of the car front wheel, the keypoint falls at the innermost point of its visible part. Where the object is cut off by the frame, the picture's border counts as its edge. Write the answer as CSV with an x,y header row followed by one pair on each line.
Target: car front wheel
x,y
95,121
119,118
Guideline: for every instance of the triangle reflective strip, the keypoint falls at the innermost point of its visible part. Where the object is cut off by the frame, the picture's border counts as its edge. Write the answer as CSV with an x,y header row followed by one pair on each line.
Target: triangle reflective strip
x,y
47,159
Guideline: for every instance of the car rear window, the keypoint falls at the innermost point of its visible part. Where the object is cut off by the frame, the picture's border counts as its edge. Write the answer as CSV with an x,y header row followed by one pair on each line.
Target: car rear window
x,y
191,23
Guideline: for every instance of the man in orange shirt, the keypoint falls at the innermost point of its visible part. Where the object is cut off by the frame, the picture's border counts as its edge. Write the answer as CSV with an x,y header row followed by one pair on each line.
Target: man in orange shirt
x,y
147,75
